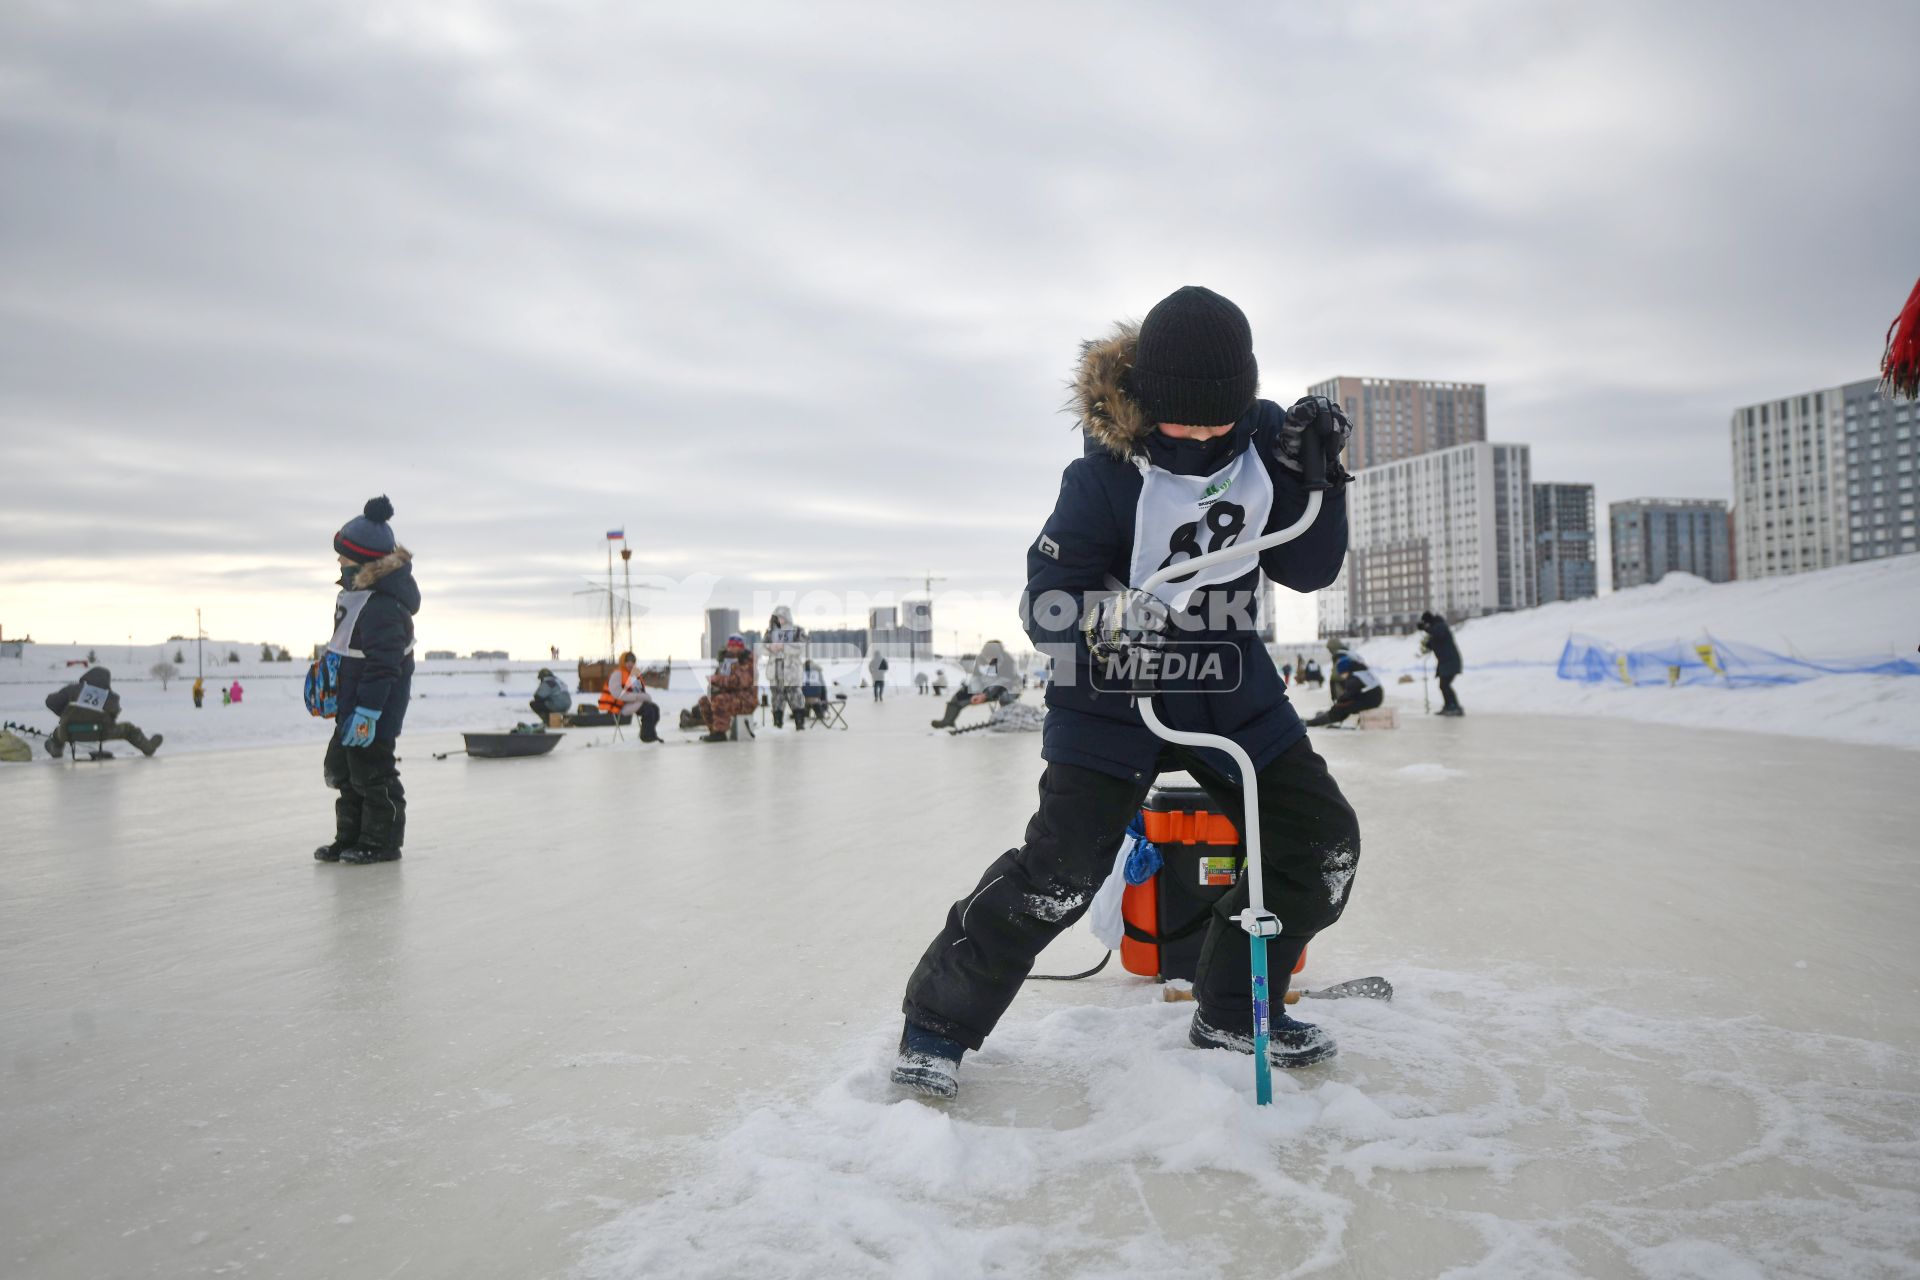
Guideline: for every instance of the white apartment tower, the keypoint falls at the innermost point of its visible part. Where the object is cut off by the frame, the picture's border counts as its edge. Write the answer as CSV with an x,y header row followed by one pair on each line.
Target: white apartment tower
x,y
1450,531
1789,512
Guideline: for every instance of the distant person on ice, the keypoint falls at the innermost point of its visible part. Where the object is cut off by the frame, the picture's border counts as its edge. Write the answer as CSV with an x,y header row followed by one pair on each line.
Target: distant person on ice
x,y
626,695
551,698
1355,689
90,702
199,690
373,639
1438,640
235,692
730,692
993,679
877,668
1178,450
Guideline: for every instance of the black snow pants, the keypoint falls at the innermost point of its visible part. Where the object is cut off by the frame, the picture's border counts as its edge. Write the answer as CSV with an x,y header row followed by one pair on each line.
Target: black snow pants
x,y
371,810
1310,844
1446,688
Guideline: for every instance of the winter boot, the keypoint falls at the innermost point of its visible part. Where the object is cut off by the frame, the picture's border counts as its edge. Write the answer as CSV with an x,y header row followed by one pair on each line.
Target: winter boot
x,y
715,736
1289,1043
928,1064
327,853
360,857
147,746
56,744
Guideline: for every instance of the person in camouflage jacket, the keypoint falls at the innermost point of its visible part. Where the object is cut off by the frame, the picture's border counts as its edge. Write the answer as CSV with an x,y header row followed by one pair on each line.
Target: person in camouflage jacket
x,y
731,690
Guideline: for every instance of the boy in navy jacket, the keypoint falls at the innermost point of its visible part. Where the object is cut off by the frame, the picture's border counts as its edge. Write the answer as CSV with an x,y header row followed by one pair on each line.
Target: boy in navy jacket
x,y
373,639
1181,459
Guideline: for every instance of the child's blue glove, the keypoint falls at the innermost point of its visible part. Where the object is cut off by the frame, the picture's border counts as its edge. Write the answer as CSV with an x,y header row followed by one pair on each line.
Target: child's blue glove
x,y
360,729
1144,858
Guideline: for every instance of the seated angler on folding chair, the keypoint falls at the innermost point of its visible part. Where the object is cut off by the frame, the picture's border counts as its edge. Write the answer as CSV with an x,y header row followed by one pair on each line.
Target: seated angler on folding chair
x,y
730,693
818,702
994,680
89,711
626,695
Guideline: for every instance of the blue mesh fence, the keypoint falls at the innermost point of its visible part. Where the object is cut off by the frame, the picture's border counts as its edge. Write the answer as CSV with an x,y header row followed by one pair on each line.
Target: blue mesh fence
x,y
1710,660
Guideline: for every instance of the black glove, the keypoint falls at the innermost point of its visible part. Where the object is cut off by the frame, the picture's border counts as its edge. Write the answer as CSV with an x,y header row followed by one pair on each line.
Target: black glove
x,y
1320,416
1127,619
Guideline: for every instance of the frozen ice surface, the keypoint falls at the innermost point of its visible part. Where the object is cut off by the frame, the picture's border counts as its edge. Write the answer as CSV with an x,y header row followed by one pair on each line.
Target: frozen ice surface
x,y
626,1011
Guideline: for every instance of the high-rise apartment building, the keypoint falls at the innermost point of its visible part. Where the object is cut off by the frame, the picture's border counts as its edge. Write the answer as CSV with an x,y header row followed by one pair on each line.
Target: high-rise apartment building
x,y
1563,543
721,623
1824,478
1652,537
1396,418
1788,459
1883,469
1450,531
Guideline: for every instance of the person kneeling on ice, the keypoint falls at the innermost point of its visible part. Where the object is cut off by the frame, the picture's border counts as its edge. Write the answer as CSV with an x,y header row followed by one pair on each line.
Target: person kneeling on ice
x,y
1437,638
551,697
1180,459
993,679
626,695
1355,689
90,705
730,692
373,642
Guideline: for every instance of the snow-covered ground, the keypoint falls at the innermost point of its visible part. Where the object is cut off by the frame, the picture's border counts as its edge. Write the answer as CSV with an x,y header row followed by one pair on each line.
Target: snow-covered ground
x,y
1849,612
624,1012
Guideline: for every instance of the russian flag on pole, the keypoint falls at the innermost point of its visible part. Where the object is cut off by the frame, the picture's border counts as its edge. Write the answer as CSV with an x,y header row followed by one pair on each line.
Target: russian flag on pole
x,y
614,534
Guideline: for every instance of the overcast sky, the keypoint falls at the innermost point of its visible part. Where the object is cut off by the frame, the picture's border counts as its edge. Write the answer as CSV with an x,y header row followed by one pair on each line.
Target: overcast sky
x,y
790,292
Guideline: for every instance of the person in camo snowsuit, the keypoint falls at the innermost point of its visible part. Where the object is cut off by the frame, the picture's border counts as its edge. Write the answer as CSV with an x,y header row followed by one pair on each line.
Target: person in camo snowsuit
x,y
786,658
730,690
373,638
1178,451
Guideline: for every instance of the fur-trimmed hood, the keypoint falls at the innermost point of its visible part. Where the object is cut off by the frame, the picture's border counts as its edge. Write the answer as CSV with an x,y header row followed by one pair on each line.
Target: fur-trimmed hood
x,y
1107,413
390,575
371,572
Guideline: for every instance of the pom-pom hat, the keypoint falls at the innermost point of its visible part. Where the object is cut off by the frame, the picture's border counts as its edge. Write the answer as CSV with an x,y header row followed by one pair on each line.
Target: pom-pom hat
x,y
367,537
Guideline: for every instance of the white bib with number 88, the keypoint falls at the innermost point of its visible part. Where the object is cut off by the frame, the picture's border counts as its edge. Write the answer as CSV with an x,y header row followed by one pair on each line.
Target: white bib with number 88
x,y
1180,517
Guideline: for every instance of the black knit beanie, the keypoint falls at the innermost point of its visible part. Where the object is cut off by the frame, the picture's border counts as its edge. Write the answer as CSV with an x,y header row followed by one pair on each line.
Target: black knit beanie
x,y
1194,365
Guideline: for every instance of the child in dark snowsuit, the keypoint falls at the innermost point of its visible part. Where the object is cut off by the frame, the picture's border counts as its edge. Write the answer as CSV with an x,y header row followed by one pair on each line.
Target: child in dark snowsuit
x,y
373,639
1180,459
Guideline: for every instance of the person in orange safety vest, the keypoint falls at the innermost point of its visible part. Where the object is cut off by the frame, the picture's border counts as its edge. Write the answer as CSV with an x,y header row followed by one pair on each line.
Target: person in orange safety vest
x,y
626,695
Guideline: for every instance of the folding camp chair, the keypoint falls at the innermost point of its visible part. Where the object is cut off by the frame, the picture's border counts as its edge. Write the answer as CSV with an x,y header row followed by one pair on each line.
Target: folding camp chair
x,y
832,713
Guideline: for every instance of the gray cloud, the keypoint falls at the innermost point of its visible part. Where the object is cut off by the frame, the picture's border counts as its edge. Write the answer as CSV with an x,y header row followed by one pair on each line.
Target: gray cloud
x,y
791,291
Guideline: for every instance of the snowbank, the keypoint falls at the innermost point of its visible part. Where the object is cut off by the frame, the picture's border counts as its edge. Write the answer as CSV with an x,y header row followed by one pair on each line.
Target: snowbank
x,y
1847,612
